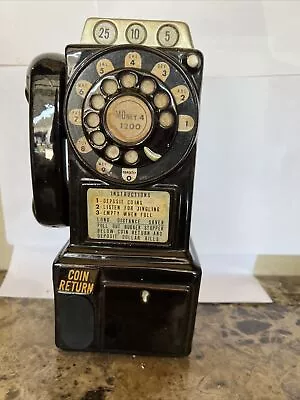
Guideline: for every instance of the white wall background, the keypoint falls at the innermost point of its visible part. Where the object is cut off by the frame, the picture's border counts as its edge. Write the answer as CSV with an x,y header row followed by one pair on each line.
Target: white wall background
x,y
247,194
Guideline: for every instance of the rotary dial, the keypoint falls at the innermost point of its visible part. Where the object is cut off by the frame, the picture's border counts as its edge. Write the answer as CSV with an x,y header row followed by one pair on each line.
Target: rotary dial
x,y
131,115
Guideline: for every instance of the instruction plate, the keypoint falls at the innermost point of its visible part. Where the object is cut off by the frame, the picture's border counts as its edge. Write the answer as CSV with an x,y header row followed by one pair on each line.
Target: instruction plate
x,y
128,215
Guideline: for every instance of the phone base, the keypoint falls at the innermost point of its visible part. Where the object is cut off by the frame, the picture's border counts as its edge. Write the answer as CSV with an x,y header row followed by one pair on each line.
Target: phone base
x,y
122,300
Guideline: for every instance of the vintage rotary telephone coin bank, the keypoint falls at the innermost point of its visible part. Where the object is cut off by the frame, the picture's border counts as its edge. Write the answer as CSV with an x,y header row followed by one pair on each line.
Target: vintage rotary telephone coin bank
x,y
125,103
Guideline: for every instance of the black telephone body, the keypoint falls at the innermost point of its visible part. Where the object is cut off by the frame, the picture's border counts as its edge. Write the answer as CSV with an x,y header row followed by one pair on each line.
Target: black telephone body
x,y
113,128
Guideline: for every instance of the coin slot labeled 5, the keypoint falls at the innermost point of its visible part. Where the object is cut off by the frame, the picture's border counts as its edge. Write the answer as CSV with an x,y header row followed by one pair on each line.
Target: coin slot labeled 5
x,y
167,35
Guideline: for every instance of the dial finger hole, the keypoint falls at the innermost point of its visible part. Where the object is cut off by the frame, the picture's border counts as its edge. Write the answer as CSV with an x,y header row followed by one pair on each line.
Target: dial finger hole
x,y
161,100
98,138
92,120
97,101
129,80
131,157
166,119
112,152
148,86
110,86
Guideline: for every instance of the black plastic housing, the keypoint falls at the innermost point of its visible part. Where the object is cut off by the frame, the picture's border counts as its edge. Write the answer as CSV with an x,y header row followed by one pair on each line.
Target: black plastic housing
x,y
114,318
142,296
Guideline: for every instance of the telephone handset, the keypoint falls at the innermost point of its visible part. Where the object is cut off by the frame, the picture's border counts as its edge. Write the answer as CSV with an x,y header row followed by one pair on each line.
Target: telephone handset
x,y
126,103
44,91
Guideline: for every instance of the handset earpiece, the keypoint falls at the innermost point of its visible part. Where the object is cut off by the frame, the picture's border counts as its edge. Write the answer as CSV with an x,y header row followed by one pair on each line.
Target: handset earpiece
x,y
45,87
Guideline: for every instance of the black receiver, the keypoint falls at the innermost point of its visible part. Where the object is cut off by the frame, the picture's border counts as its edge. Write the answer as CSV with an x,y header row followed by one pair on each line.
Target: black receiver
x,y
126,103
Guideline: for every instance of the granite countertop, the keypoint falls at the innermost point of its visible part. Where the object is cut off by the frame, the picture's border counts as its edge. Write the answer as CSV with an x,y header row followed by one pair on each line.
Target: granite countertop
x,y
247,352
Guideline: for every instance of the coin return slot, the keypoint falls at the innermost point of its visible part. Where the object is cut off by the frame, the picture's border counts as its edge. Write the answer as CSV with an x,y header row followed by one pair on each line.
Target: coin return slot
x,y
98,138
92,120
110,86
161,100
128,80
131,157
112,152
97,101
166,119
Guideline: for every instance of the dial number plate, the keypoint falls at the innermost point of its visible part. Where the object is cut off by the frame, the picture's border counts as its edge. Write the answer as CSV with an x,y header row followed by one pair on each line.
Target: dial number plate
x,y
139,117
128,119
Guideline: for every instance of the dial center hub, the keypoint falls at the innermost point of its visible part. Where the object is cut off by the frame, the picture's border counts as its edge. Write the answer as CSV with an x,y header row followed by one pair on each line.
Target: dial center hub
x,y
128,119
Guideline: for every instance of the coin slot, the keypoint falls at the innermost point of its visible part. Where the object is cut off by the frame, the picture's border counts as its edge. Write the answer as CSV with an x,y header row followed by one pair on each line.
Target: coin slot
x,y
166,119
148,86
97,101
92,120
136,33
167,35
161,100
112,152
105,32
98,138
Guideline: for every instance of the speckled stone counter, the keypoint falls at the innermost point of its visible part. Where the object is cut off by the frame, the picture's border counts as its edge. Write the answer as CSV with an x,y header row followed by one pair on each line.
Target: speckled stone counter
x,y
239,352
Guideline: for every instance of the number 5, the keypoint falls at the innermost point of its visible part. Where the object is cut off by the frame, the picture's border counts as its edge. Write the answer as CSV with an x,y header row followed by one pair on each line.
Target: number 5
x,y
106,34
